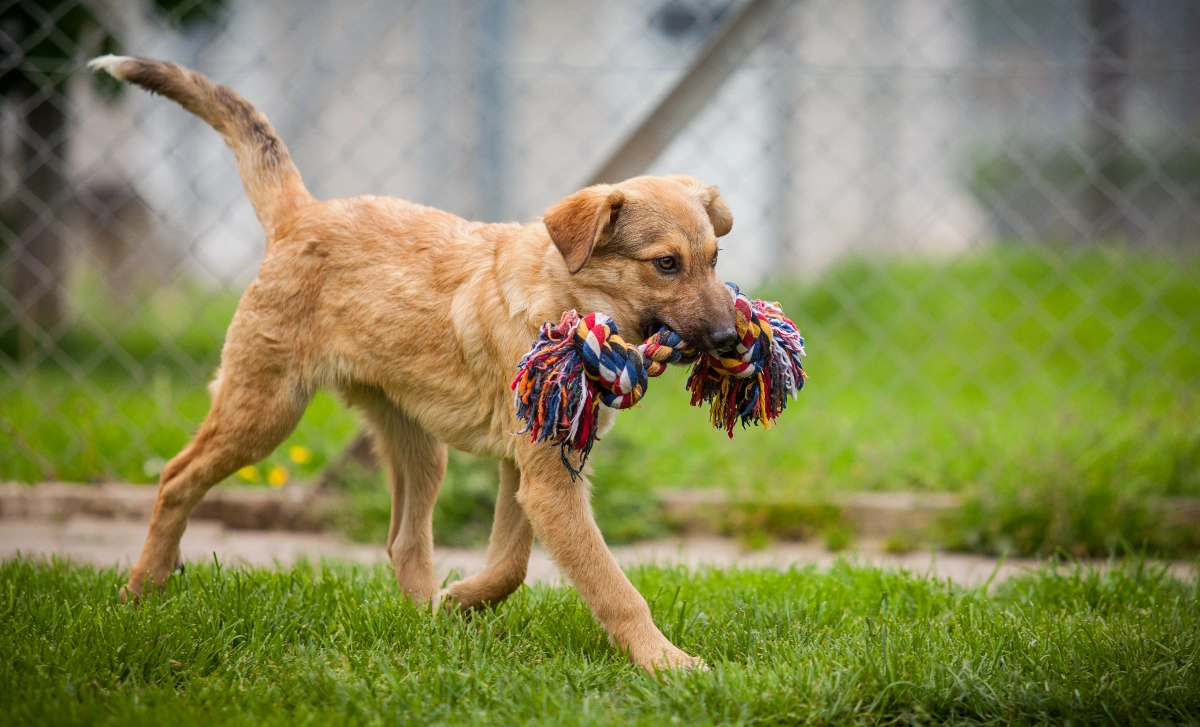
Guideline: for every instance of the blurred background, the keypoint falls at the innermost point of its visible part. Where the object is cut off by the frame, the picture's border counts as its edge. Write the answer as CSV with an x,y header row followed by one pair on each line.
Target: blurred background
x,y
984,215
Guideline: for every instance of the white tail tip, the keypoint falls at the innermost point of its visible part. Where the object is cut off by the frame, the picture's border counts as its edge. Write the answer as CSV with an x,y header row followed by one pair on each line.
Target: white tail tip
x,y
110,64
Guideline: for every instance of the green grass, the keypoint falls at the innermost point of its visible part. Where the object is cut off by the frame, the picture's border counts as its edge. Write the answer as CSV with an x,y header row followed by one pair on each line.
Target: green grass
x,y
1058,388
335,644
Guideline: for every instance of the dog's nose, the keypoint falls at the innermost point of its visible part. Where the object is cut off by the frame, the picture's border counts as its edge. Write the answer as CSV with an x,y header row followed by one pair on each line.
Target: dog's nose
x,y
723,338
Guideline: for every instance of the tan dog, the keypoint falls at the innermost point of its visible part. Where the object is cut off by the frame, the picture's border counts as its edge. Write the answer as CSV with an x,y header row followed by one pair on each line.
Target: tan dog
x,y
419,318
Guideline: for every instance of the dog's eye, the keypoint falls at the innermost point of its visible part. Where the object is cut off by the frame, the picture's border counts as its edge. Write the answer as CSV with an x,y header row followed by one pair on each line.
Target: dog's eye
x,y
713,264
666,264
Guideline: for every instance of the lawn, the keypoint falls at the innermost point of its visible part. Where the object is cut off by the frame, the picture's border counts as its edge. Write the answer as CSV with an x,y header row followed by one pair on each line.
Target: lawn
x,y
336,644
1057,389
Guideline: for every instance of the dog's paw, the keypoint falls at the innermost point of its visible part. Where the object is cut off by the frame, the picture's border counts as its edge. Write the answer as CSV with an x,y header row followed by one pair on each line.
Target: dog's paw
x,y
678,660
665,657
450,601
441,601
691,663
135,588
145,582
445,600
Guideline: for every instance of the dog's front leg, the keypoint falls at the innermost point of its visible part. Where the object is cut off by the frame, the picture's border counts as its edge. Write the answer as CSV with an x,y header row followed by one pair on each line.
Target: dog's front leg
x,y
560,511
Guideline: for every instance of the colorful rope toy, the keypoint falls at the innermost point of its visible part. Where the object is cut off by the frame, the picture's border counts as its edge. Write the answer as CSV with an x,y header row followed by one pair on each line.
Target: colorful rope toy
x,y
582,362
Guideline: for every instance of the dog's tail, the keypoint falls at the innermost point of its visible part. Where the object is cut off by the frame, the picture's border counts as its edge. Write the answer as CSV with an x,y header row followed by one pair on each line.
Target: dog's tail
x,y
271,180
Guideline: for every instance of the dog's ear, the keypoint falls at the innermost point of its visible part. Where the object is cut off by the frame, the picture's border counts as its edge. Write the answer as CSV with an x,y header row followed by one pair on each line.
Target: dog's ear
x,y
583,222
718,212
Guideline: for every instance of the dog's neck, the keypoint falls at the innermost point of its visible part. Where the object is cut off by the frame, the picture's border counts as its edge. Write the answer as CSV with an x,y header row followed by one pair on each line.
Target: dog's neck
x,y
534,288
538,288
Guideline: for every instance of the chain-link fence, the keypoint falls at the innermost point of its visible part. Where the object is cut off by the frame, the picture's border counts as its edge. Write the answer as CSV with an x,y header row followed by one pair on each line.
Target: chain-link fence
x,y
984,214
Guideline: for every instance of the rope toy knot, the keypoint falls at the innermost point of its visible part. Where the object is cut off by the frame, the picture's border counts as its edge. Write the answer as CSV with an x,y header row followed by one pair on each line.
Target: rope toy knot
x,y
582,362
618,369
664,348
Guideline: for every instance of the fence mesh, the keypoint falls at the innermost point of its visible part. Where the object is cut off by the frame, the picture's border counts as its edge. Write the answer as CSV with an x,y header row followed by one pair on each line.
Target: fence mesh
x,y
981,213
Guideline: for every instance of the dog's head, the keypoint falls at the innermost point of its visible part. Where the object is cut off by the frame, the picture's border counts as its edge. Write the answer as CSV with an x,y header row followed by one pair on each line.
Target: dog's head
x,y
644,251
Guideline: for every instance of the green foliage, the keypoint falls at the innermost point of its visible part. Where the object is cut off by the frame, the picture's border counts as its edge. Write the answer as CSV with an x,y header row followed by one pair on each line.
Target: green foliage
x,y
1059,385
929,376
623,500
365,511
186,14
109,423
1005,176
1087,497
49,34
462,517
337,644
901,541
179,327
54,36
1058,389
838,537
787,520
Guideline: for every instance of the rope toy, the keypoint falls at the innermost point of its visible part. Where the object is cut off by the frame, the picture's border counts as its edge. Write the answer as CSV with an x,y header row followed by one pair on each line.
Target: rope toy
x,y
582,362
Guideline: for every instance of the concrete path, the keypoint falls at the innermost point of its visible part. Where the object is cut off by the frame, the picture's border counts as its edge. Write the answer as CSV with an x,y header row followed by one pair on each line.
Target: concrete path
x,y
108,542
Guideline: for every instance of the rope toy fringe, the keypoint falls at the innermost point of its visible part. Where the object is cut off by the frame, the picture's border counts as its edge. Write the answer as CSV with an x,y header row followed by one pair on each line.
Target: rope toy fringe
x,y
582,362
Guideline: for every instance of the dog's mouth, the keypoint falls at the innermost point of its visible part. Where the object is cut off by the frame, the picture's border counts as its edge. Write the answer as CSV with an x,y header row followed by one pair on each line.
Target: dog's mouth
x,y
652,326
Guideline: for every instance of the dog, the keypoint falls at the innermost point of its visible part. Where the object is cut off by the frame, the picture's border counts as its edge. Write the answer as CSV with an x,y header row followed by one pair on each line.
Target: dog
x,y
418,318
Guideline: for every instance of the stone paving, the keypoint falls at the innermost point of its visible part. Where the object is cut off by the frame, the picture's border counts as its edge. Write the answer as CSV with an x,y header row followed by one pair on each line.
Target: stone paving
x,y
108,542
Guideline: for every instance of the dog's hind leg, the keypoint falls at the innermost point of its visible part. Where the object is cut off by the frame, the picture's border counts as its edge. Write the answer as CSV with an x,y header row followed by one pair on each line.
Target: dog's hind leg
x,y
416,464
250,416
507,553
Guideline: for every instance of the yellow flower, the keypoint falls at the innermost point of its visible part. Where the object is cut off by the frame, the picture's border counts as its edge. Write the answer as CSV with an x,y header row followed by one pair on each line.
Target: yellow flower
x,y
277,476
249,473
300,455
